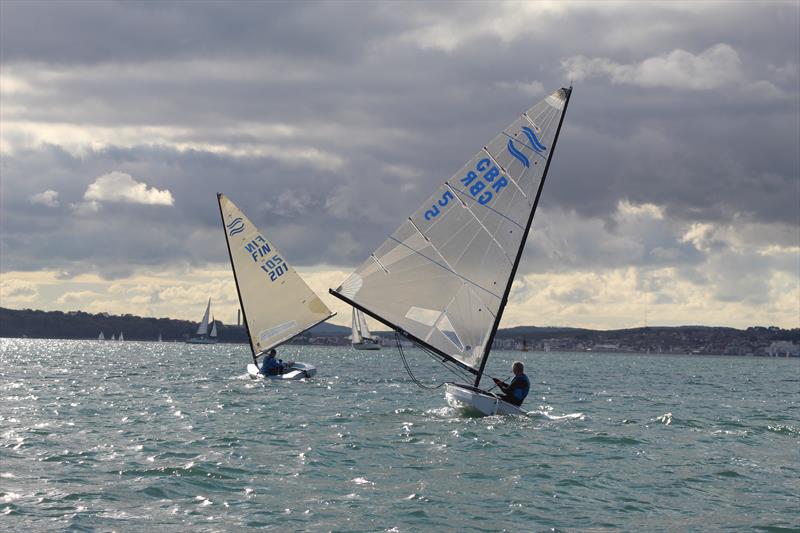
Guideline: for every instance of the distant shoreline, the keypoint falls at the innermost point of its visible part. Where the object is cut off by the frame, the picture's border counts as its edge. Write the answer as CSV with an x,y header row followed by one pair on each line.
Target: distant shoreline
x,y
673,340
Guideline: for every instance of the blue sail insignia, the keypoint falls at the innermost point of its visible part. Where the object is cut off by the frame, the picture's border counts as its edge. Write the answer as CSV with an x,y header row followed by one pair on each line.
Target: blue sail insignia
x,y
516,153
236,226
538,146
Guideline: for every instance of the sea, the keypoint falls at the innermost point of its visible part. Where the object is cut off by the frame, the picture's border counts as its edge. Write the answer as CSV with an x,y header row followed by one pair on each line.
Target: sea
x,y
146,436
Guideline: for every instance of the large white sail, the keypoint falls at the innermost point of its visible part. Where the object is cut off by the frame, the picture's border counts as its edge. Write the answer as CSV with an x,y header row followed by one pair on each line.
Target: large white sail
x,y
202,329
276,302
213,333
443,276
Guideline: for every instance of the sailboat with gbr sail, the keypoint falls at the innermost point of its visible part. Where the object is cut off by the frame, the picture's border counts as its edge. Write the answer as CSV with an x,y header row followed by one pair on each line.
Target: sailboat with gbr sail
x,y
277,305
443,278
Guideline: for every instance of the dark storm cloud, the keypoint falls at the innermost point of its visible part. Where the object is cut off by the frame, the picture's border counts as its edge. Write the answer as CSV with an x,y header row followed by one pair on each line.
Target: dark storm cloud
x,y
393,98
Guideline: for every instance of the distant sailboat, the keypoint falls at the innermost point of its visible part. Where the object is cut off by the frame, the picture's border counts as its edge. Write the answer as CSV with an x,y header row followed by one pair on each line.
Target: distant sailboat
x,y
101,337
443,278
361,338
203,336
276,303
159,338
121,338
113,337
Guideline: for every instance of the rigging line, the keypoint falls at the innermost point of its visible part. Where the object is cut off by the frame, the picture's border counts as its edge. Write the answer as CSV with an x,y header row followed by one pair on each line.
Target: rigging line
x,y
408,369
456,370
444,267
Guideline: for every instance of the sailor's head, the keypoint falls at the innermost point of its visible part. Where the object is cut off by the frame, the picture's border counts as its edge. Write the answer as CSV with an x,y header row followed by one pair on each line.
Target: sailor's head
x,y
271,352
517,368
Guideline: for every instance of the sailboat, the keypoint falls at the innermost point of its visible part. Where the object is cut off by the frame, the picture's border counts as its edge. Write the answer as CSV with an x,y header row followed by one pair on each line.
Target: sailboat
x,y
101,337
113,337
121,338
203,335
159,337
362,338
443,278
277,305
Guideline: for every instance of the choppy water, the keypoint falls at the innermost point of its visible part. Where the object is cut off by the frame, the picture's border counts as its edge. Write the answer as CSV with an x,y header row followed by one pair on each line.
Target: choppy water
x,y
172,437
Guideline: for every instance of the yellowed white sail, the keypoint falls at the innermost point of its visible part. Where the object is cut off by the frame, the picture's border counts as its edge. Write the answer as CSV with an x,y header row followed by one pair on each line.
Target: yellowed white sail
x,y
276,302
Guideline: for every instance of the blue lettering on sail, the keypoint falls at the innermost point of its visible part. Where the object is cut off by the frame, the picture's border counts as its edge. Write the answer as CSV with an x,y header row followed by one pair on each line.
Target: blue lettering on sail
x,y
235,226
257,248
275,267
483,184
434,211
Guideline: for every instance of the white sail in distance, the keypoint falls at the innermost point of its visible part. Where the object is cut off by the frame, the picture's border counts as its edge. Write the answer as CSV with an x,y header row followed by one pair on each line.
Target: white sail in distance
x,y
276,303
213,333
362,326
355,333
202,329
443,277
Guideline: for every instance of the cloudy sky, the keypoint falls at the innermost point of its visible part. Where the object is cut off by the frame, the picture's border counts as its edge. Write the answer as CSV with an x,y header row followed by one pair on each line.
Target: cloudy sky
x,y
673,197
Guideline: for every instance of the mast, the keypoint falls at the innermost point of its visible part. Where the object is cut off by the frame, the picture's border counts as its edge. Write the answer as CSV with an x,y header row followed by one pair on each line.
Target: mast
x,y
524,241
236,281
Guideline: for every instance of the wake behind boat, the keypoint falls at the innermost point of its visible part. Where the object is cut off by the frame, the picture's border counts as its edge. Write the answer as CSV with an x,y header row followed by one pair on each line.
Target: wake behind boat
x,y
443,278
276,303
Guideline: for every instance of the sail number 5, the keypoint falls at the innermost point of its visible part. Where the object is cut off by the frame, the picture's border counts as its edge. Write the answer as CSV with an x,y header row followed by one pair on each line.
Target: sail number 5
x,y
482,189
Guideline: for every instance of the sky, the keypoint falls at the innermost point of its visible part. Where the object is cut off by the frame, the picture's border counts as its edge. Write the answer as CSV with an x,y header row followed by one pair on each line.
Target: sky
x,y
673,197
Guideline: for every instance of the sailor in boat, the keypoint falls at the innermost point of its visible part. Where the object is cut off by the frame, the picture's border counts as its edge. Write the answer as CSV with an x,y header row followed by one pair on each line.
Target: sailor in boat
x,y
516,391
274,367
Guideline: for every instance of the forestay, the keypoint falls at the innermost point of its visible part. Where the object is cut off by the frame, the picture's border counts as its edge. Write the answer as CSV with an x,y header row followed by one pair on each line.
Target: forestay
x,y
442,278
276,302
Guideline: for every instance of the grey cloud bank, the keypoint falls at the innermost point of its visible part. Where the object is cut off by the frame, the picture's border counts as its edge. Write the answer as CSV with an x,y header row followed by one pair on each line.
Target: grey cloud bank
x,y
329,123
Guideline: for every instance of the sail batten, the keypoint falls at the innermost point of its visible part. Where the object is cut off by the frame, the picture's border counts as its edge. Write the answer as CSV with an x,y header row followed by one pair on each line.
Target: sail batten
x,y
443,277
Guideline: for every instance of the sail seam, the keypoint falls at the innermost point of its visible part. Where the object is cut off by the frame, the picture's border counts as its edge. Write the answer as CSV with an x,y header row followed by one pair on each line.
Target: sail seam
x,y
444,267
493,210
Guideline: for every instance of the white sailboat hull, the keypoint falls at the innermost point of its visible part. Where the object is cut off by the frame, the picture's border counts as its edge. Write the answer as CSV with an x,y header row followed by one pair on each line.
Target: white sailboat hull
x,y
474,401
366,345
201,341
298,371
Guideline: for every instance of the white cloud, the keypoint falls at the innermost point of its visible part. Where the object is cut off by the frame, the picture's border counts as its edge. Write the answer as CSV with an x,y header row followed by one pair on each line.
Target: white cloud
x,y
16,291
717,66
85,208
47,198
120,187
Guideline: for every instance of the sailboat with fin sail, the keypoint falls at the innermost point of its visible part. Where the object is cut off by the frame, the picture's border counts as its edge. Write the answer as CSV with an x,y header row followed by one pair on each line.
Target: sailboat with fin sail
x,y
361,337
203,335
443,278
277,305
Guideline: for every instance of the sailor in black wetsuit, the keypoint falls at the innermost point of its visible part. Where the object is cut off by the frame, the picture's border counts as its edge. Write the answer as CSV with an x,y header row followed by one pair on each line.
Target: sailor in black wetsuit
x,y
516,391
